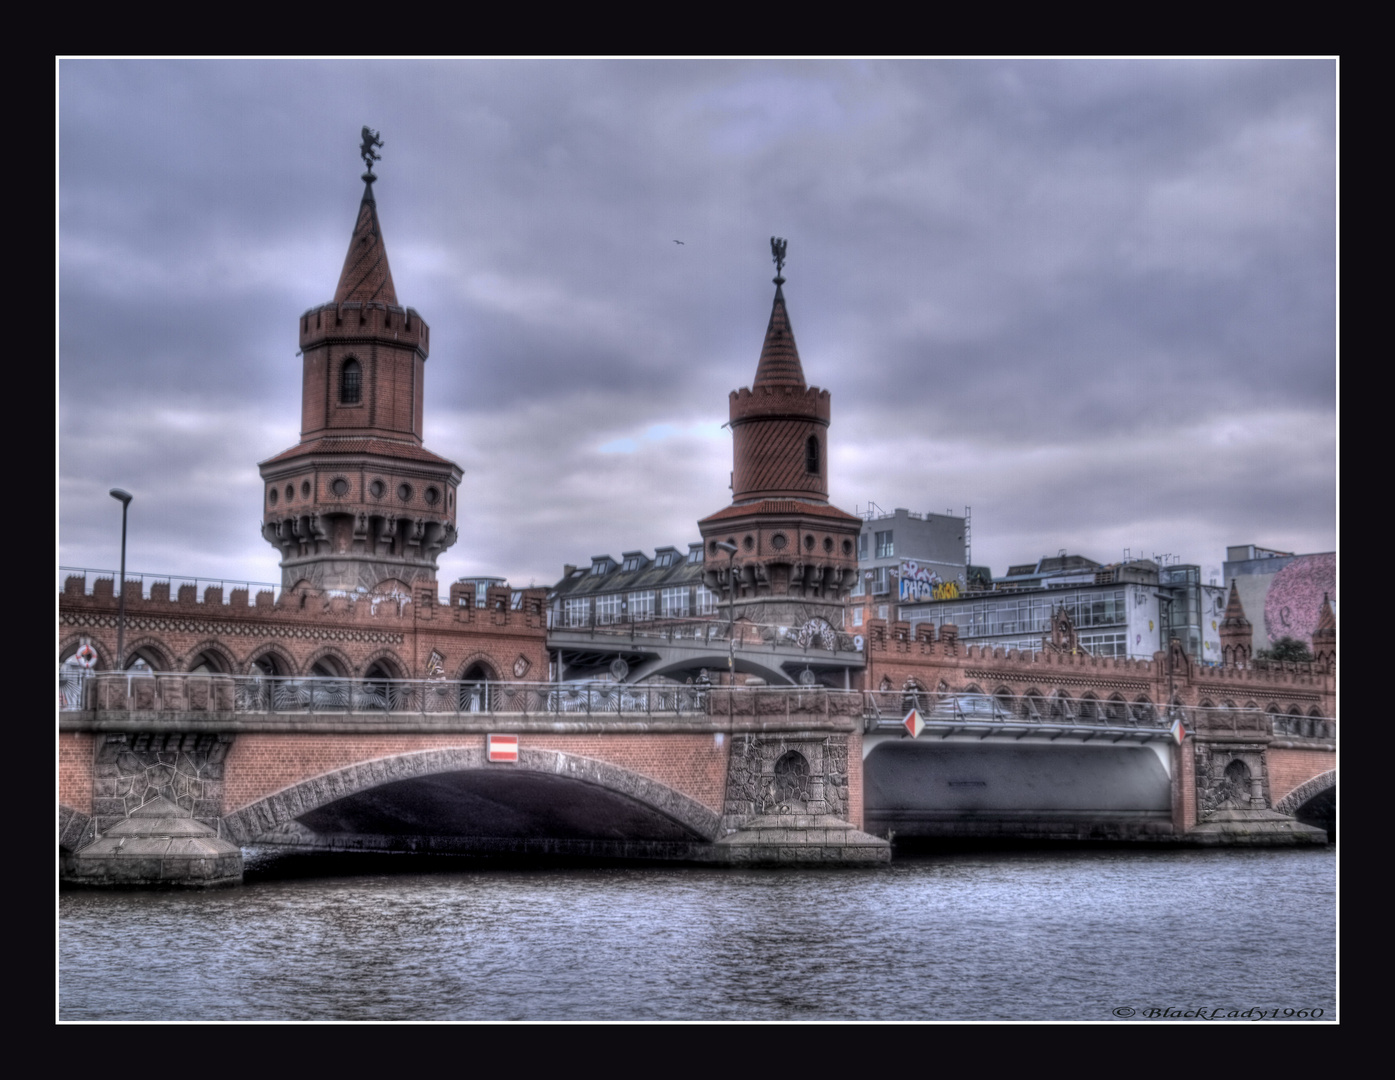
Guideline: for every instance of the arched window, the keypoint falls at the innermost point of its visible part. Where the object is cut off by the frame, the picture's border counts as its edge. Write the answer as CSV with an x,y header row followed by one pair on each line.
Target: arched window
x,y
350,383
811,455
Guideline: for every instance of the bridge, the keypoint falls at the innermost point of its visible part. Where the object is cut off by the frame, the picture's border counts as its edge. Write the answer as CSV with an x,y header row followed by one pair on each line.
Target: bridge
x,y
678,648
166,777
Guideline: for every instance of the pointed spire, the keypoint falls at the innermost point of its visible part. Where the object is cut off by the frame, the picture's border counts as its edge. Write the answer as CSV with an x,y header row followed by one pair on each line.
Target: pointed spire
x,y
1234,610
779,358
1327,620
366,274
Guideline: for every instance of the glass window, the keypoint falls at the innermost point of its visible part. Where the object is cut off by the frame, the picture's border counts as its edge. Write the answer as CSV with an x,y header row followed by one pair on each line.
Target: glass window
x,y
886,547
577,612
607,609
674,603
706,601
641,606
862,546
350,383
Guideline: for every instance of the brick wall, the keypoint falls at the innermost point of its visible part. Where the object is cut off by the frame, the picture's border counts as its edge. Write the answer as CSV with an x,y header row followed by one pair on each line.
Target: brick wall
x,y
261,764
1289,768
75,756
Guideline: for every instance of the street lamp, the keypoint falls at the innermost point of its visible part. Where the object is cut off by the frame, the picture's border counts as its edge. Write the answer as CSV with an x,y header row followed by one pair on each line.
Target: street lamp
x,y
125,498
730,549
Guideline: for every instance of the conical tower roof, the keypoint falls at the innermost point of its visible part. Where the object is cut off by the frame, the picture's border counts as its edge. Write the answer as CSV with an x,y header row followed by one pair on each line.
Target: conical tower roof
x,y
779,357
366,275
1234,610
1327,619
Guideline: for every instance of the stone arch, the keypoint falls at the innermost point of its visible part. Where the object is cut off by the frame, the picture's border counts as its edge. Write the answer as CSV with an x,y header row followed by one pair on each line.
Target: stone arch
x,y
1034,705
1089,706
217,656
479,659
1061,707
1313,711
152,651
330,658
972,688
1306,791
1003,696
1116,709
389,662
281,662
1142,710
69,645
247,822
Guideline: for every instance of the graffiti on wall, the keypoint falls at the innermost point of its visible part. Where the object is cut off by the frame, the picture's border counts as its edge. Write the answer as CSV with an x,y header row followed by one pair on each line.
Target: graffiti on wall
x,y
1295,595
920,582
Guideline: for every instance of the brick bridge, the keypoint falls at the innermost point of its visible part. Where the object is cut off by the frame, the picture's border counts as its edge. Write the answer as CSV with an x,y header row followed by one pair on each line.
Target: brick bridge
x,y
166,777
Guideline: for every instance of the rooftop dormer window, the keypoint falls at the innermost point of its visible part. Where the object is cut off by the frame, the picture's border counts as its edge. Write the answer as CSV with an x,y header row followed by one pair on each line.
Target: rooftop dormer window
x,y
633,561
601,567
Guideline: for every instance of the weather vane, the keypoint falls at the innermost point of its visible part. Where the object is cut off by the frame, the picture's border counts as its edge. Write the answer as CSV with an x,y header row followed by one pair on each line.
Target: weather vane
x,y
777,252
370,140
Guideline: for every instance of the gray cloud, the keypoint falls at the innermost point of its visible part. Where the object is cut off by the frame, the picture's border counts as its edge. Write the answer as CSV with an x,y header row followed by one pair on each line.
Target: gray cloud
x,y
1094,300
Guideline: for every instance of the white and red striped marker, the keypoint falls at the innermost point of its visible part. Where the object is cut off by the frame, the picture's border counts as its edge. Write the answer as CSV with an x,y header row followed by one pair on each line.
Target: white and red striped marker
x,y
503,748
1178,731
914,724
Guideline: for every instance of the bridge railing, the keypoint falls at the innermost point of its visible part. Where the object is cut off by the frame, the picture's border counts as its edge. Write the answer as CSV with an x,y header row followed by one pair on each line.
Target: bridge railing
x,y
706,631
105,691
889,708
111,691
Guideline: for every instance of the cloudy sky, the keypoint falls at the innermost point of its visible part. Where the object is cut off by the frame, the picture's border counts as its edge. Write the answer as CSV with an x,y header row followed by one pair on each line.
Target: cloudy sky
x,y
1095,301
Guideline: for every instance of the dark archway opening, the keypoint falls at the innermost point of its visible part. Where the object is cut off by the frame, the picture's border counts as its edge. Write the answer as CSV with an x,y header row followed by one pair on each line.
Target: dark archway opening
x,y
474,687
1321,812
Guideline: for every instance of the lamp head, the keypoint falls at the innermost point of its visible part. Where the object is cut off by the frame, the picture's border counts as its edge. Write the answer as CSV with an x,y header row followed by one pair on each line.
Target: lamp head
x,y
730,549
124,496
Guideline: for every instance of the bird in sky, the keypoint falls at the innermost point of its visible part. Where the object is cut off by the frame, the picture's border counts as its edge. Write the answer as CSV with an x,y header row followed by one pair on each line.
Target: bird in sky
x,y
678,241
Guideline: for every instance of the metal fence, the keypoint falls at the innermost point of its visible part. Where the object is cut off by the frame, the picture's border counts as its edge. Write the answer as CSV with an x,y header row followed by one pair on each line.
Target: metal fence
x,y
145,580
882,710
706,631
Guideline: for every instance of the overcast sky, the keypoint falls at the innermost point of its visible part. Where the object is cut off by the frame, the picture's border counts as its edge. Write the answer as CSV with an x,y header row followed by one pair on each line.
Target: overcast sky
x,y
1095,301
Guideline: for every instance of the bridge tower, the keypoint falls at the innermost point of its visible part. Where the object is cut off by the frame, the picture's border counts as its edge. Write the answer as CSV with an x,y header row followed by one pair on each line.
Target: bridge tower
x,y
796,557
359,503
1325,636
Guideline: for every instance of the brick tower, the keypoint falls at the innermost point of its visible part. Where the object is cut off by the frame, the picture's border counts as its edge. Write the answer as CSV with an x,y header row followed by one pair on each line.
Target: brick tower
x,y
796,555
1236,632
359,504
1325,636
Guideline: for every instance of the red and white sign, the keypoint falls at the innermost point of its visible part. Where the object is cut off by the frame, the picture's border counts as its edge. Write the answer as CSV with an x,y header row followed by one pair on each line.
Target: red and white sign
x,y
914,724
503,748
1178,731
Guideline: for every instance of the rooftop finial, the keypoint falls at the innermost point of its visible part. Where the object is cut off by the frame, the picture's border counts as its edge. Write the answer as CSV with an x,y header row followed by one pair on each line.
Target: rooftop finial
x,y
370,140
777,252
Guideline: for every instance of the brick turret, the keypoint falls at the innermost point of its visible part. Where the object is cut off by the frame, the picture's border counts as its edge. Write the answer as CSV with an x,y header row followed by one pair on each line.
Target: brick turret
x,y
797,555
1237,640
359,503
1325,637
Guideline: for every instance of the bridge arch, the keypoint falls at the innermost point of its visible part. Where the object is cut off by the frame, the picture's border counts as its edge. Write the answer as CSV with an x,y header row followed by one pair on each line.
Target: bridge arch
x,y
333,663
152,651
1305,792
212,656
69,646
692,818
270,659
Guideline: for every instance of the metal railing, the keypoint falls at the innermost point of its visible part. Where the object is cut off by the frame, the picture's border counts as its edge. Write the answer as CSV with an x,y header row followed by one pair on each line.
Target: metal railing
x,y
707,631
889,708
884,710
179,692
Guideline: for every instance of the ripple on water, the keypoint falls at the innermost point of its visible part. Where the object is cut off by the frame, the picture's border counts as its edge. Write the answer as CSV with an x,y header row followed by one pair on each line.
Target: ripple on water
x,y
1004,935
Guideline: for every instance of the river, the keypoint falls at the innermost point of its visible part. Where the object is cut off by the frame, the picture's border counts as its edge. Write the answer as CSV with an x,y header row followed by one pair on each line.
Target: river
x,y
1010,935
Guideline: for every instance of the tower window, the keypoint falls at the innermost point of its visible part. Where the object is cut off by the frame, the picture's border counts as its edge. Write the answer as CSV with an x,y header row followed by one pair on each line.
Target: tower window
x,y
350,383
811,454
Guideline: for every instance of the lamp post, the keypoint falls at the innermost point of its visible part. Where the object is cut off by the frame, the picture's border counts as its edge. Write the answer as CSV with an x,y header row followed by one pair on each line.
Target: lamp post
x,y
730,549
125,498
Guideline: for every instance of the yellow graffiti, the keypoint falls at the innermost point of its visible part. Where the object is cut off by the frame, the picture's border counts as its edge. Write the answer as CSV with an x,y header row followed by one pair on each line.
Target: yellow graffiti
x,y
946,590
1150,624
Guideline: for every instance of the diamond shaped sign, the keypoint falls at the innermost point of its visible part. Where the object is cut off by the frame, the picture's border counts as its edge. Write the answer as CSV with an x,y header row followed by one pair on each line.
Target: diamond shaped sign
x,y
1178,731
914,724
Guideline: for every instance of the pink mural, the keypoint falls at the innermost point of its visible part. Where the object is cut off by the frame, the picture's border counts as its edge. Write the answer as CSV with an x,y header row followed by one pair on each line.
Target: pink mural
x,y
1295,595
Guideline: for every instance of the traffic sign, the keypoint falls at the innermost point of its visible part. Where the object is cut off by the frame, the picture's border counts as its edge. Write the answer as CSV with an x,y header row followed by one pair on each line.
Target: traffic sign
x,y
914,724
503,748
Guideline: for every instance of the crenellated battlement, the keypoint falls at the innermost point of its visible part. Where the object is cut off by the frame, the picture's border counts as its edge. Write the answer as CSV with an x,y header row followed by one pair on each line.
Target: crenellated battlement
x,y
355,320
795,402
